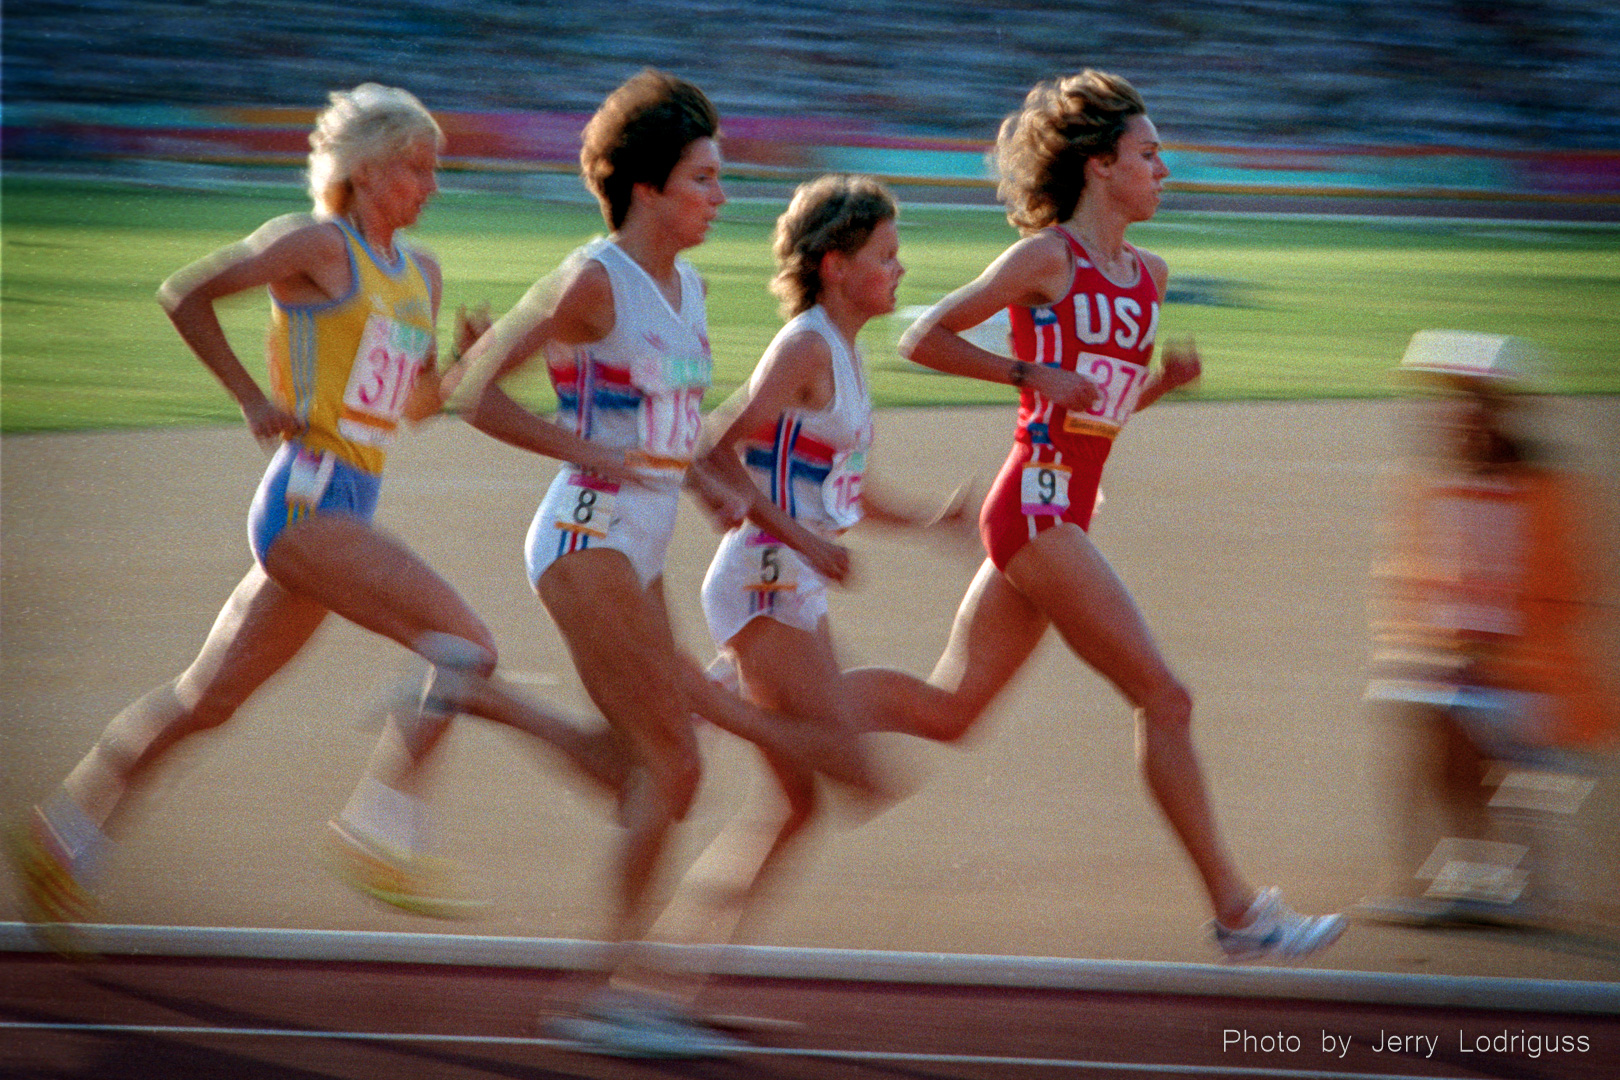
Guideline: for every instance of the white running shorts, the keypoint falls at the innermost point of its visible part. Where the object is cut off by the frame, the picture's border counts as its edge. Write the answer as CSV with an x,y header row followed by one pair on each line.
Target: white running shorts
x,y
754,574
581,512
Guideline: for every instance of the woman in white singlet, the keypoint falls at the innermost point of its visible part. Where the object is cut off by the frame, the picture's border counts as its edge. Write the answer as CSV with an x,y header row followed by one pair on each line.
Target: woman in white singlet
x,y
798,436
623,332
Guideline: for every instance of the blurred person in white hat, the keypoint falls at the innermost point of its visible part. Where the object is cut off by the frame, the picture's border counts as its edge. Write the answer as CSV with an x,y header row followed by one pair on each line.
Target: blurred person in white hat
x,y
1481,601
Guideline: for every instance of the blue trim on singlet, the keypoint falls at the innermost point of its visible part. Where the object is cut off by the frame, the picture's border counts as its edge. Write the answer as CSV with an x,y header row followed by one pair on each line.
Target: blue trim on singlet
x,y
303,337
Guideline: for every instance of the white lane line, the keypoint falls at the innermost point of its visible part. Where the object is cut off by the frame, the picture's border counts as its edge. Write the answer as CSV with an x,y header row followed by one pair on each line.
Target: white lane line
x,y
764,961
891,1056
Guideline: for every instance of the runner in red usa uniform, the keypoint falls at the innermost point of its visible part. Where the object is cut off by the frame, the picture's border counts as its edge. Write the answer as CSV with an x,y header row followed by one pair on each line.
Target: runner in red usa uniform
x,y
1079,165
1100,330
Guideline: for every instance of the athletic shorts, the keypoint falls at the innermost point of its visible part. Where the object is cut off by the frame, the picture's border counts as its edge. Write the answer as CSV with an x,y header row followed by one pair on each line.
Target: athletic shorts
x,y
581,512
301,483
1029,497
752,575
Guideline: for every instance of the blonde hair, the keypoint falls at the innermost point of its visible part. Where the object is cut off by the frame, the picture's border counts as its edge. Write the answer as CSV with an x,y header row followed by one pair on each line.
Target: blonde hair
x,y
360,125
830,213
1042,149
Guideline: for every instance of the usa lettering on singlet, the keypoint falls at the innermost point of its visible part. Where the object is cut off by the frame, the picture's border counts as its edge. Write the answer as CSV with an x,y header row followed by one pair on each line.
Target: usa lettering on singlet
x,y
1114,322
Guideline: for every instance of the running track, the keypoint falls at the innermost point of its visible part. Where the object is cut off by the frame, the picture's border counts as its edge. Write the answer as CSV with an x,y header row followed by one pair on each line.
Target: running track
x,y
286,1005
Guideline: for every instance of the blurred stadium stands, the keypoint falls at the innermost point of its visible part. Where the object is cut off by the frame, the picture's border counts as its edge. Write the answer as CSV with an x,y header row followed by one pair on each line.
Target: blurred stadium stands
x,y
1502,75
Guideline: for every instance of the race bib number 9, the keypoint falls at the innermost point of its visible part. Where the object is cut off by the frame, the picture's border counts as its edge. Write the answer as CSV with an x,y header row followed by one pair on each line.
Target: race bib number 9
x,y
385,367
1044,489
841,493
1121,384
588,507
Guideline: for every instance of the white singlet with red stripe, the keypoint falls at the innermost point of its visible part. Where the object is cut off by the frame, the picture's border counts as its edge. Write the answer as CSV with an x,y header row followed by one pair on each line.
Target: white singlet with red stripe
x,y
810,462
641,389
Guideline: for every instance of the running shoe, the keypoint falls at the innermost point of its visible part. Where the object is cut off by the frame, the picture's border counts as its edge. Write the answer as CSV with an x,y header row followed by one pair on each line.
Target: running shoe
x,y
413,700
417,884
635,1026
54,896
1276,932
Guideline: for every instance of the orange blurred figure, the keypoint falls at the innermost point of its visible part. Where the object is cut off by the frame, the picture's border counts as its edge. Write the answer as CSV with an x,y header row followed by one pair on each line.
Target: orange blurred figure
x,y
1482,610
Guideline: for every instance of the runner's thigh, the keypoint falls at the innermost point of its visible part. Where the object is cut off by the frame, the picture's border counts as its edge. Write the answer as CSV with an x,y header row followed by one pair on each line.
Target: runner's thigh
x,y
1063,573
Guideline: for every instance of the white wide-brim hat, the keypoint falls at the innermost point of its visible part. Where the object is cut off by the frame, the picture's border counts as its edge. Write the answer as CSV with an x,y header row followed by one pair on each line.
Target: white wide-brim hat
x,y
1465,354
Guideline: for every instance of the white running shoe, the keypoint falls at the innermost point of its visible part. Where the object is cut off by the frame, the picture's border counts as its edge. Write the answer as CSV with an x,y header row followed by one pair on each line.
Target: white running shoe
x,y
1276,931
57,894
633,1026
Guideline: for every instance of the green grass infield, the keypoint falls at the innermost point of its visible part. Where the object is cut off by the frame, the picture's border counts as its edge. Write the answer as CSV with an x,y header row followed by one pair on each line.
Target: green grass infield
x,y
1281,307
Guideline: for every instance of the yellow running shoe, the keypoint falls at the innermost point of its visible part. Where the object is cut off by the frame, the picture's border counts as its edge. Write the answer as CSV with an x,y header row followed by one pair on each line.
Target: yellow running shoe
x,y
417,884
54,897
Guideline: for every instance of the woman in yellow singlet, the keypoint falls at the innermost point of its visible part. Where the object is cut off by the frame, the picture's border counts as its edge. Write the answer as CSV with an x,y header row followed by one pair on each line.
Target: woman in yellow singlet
x,y
352,340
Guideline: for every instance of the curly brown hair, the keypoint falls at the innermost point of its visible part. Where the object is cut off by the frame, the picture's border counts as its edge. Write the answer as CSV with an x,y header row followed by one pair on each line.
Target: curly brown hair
x,y
639,135
830,213
1042,149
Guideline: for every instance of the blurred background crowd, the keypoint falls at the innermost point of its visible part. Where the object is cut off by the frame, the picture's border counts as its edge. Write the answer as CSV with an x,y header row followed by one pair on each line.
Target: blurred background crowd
x,y
1497,74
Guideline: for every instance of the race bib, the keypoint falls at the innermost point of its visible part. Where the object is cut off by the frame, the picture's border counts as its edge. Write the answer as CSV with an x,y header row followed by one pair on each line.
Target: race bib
x,y
1043,489
1121,383
775,568
385,367
668,423
308,476
841,492
588,506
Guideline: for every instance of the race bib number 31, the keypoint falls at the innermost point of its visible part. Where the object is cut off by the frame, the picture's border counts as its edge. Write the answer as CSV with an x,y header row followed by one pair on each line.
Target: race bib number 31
x,y
384,369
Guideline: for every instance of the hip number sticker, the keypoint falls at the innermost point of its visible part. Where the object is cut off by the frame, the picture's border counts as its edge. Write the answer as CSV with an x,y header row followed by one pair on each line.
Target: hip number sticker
x,y
1044,489
777,568
589,508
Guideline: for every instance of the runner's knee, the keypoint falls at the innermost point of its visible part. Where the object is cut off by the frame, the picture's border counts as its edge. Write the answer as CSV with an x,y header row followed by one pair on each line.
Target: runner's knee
x,y
458,653
801,803
195,708
951,718
163,717
1168,707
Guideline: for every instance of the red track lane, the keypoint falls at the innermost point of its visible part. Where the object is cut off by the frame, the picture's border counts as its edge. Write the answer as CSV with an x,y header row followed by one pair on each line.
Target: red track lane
x,y
244,1019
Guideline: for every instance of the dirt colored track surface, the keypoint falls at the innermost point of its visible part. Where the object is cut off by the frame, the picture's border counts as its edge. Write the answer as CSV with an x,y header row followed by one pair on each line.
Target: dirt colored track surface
x,y
1245,531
